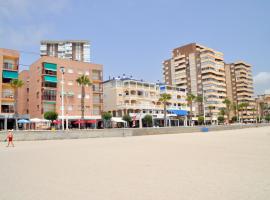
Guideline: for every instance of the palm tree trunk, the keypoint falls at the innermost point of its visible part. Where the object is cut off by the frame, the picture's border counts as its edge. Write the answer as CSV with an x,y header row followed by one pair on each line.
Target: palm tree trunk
x,y
190,118
165,115
15,108
82,103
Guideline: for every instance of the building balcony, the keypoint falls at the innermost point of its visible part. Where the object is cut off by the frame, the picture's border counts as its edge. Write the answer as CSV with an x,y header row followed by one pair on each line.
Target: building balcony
x,y
10,67
7,96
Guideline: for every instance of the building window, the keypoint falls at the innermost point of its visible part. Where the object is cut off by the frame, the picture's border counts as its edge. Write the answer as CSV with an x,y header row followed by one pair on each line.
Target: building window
x,y
70,108
97,75
87,73
79,96
80,72
70,82
87,96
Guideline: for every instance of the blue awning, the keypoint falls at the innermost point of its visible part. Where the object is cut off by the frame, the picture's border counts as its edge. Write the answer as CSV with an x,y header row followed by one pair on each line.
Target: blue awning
x,y
179,112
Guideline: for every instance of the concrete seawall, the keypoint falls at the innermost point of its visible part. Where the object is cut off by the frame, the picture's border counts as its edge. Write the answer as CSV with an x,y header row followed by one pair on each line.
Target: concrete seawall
x,y
94,133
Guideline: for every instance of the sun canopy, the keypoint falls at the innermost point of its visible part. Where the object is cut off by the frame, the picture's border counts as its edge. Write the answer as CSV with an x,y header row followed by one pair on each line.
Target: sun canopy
x,y
178,112
116,119
51,79
10,74
50,66
37,120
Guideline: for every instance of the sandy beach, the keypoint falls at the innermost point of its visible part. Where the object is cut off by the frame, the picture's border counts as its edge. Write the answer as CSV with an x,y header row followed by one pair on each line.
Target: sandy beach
x,y
224,165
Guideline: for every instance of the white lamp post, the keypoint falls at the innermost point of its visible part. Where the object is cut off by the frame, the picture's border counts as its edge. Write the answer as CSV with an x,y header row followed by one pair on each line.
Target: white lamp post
x,y
62,69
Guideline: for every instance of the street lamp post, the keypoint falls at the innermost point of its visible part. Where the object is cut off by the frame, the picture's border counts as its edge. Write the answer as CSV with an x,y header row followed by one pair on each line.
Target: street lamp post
x,y
62,69
203,107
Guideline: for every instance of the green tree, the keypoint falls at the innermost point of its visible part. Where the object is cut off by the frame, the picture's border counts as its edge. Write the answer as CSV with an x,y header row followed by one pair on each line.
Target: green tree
x,y
267,117
222,112
16,84
240,109
262,108
253,114
190,99
235,109
200,120
127,118
83,81
199,100
164,98
234,119
211,108
106,116
245,107
228,103
220,119
148,120
50,115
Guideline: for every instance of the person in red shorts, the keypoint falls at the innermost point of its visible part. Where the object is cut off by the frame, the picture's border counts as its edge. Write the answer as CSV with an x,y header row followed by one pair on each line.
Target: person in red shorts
x,y
10,138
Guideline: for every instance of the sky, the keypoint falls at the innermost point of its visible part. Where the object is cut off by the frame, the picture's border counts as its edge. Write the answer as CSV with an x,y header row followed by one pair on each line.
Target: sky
x,y
134,37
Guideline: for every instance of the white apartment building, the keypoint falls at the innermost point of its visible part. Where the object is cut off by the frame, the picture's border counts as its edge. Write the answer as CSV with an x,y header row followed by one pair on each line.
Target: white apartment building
x,y
78,50
137,98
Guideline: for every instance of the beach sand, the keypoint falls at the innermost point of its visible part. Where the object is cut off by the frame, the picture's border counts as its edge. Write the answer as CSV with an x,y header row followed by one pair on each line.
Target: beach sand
x,y
222,165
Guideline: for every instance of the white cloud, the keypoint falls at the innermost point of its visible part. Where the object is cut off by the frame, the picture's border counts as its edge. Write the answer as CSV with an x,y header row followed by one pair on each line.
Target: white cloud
x,y
262,82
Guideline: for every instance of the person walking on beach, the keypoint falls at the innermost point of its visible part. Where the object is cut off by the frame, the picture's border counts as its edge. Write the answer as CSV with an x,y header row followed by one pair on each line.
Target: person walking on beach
x,y
10,138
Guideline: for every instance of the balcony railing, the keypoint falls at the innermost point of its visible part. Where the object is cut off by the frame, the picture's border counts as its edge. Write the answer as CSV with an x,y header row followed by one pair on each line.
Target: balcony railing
x,y
49,97
9,66
7,95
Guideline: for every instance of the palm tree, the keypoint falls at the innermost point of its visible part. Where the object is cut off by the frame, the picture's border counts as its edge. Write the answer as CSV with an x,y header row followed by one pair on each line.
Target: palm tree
x,y
164,98
211,108
245,107
234,108
241,108
262,109
83,81
190,98
253,113
16,84
199,99
227,102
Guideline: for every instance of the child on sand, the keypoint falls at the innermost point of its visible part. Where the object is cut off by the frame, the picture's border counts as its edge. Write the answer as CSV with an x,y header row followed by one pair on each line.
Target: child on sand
x,y
10,138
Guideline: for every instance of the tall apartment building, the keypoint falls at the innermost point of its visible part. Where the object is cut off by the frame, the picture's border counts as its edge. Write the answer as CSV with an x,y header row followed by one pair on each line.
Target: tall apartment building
x,y
240,86
138,98
200,70
78,50
9,66
45,83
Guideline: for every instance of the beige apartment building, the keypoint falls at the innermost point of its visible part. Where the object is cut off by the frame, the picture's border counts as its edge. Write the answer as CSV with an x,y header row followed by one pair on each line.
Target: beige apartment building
x,y
44,85
137,98
240,87
200,70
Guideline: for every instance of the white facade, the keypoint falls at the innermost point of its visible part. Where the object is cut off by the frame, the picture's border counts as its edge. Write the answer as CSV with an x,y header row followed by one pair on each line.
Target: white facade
x,y
71,49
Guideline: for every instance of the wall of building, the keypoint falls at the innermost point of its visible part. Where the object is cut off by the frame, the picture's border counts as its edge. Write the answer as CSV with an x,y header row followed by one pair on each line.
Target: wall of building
x,y
73,70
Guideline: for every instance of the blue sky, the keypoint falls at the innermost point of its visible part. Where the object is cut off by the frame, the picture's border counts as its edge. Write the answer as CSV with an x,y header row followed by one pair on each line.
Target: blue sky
x,y
134,37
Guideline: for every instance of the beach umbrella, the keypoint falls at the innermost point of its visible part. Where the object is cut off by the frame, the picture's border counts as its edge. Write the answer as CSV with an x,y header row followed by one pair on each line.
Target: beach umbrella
x,y
35,120
23,121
